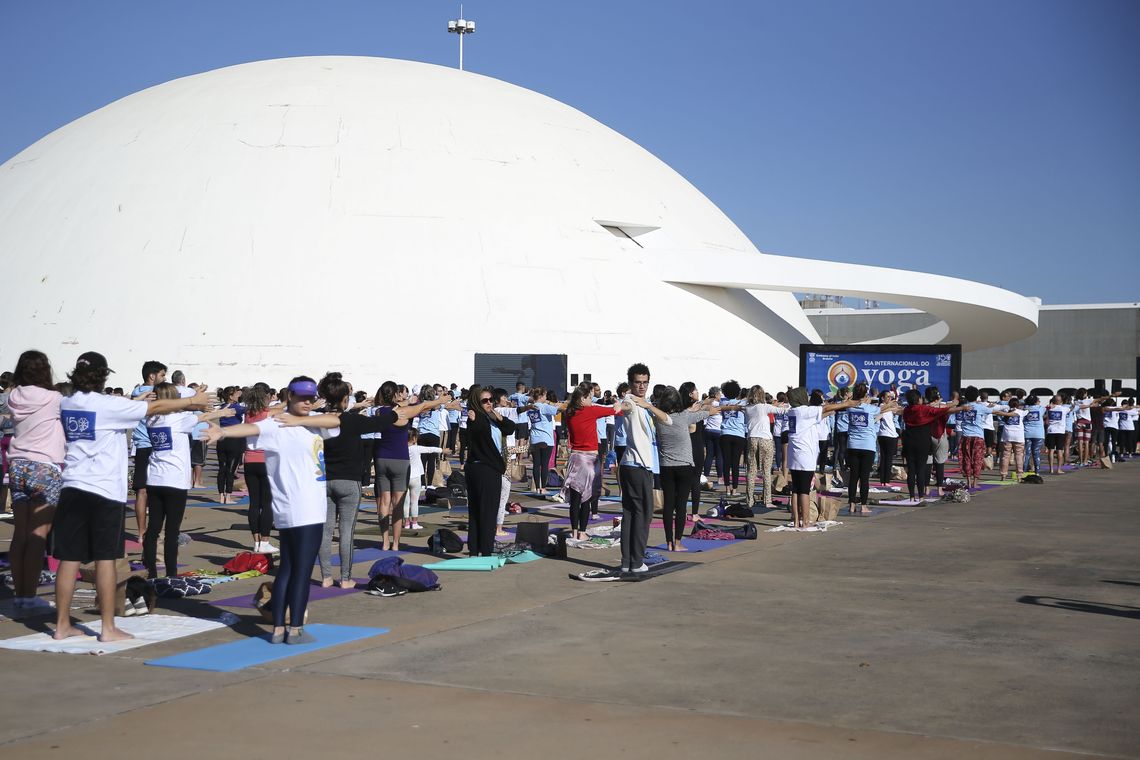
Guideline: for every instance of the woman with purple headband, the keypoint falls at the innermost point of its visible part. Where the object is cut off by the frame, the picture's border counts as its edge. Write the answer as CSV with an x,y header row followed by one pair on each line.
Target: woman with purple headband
x,y
295,460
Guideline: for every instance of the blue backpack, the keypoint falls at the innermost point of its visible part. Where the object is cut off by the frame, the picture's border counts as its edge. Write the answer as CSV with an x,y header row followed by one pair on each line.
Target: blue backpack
x,y
394,570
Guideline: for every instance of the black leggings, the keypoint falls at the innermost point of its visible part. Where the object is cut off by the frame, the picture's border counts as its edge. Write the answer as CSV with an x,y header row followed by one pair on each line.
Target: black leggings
x,y
484,486
540,458
859,463
369,445
732,449
917,470
887,446
462,445
260,499
299,547
675,484
429,460
840,451
230,452
163,505
579,511
821,460
698,440
452,436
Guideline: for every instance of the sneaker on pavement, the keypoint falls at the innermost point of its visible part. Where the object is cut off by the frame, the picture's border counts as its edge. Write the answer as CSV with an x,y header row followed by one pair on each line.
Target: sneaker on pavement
x,y
643,569
417,526
558,497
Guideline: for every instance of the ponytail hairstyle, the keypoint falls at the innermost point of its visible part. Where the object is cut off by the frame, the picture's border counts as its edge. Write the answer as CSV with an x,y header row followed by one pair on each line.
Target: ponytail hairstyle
x,y
255,399
756,394
582,391
538,393
386,395
334,390
427,393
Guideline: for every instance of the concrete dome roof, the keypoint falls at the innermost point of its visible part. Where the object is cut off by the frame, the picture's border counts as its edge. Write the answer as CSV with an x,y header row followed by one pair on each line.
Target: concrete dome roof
x,y
381,217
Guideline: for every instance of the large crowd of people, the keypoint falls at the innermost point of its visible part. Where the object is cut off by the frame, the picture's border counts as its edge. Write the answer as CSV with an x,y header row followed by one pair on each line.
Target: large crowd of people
x,y
310,452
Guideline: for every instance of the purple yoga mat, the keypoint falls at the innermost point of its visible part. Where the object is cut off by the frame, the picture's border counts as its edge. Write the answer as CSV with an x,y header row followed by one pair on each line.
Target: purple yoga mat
x,y
316,593
700,544
371,554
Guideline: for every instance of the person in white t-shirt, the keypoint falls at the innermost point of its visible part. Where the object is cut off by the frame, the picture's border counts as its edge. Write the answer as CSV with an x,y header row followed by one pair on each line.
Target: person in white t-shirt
x,y
88,523
416,478
168,478
294,458
1012,437
803,449
761,446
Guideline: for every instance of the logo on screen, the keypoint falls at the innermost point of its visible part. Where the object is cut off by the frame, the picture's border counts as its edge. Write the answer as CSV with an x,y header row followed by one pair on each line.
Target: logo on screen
x,y
841,374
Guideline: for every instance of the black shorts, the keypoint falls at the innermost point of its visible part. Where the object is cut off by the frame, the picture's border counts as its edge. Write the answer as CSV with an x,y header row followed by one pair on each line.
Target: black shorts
x,y
1054,440
784,437
197,452
142,464
801,480
87,527
522,430
990,438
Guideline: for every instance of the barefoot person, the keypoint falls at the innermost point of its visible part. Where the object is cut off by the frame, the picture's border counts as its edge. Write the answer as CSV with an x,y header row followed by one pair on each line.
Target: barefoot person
x,y
89,521
294,457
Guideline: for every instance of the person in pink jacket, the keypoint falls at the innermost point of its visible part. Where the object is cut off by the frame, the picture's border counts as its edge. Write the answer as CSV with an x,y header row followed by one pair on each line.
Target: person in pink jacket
x,y
35,454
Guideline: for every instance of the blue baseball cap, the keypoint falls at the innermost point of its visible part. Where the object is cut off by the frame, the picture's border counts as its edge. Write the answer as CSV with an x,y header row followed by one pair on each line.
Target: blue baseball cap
x,y
303,388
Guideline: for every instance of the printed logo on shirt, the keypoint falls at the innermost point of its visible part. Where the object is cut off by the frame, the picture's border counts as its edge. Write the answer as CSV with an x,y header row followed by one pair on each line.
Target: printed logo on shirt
x,y
78,426
160,438
1033,416
791,424
534,416
1056,415
859,419
319,457
1013,421
970,417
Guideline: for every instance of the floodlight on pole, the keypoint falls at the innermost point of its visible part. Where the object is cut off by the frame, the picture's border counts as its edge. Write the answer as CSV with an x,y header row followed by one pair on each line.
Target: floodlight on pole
x,y
461,26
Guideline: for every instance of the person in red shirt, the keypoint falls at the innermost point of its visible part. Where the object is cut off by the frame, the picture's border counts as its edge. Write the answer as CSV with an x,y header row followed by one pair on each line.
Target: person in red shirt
x,y
925,423
583,471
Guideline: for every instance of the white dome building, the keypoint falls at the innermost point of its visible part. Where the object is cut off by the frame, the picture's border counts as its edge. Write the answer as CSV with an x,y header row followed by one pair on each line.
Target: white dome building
x,y
391,219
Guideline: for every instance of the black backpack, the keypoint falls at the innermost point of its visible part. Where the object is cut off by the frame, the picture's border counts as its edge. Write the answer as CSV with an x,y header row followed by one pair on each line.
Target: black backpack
x,y
1033,479
457,484
445,541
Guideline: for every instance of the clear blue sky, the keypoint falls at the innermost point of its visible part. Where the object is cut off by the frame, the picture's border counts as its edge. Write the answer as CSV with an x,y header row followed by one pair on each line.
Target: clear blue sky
x,y
993,139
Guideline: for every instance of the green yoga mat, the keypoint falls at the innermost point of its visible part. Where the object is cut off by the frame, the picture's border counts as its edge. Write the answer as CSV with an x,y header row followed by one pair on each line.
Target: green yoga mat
x,y
483,564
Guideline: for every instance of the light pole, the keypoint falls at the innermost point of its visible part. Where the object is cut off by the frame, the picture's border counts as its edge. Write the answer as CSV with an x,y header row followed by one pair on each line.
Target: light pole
x,y
461,27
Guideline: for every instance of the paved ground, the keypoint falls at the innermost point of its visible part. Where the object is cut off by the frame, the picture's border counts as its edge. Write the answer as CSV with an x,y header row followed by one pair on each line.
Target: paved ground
x,y
1004,628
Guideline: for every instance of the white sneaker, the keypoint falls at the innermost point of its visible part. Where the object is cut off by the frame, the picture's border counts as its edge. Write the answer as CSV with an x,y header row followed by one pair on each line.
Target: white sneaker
x,y
264,547
643,569
558,497
417,526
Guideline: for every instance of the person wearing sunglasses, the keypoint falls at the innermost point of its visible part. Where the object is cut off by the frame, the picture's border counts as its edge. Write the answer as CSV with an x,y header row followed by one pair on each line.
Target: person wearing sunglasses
x,y
486,434
295,459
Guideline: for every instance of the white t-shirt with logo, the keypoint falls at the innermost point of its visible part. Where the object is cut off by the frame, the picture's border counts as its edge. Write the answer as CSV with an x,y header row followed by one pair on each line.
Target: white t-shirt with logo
x,y
1055,419
1127,419
1013,431
803,438
96,429
170,449
295,462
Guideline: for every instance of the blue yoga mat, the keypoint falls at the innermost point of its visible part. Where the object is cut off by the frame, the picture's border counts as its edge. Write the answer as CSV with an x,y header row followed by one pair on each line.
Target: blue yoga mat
x,y
226,658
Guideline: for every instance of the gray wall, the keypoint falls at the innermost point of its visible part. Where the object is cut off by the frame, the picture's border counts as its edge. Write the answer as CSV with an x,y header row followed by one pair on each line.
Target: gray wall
x,y
1069,343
